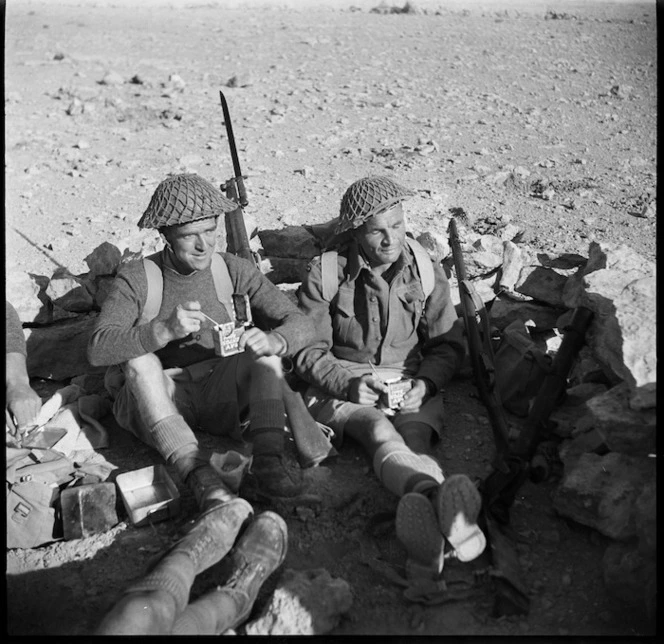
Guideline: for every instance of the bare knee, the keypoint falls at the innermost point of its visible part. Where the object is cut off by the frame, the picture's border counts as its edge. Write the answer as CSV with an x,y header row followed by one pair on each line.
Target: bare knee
x,y
144,370
371,428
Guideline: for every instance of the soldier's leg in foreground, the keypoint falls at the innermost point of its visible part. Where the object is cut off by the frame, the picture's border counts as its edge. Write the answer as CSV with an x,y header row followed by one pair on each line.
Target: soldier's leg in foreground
x,y
152,605
168,432
263,381
405,474
260,550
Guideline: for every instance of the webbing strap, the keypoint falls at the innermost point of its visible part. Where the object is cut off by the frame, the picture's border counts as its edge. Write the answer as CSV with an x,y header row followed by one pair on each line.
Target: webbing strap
x,y
328,267
220,275
330,280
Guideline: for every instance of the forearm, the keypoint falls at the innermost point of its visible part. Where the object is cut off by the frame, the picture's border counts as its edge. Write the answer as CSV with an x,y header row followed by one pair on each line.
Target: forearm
x,y
22,401
16,370
112,344
319,367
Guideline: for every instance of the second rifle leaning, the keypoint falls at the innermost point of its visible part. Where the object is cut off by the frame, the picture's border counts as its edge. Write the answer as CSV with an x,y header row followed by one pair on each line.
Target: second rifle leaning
x,y
512,461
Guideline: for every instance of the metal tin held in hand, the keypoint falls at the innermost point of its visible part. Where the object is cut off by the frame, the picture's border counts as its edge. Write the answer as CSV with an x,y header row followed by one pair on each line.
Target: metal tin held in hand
x,y
227,335
396,390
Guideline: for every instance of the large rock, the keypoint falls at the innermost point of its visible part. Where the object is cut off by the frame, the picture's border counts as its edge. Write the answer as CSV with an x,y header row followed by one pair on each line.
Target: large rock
x,y
306,602
59,351
513,259
505,310
567,415
69,292
601,491
636,312
104,260
435,243
618,285
25,294
625,430
291,241
485,257
542,284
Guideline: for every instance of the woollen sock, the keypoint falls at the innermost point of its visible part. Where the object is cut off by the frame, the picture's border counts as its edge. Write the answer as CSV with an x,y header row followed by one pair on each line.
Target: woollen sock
x,y
400,470
267,423
176,442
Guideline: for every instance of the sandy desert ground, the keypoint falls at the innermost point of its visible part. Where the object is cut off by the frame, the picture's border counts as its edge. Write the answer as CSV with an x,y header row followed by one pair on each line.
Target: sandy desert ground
x,y
104,99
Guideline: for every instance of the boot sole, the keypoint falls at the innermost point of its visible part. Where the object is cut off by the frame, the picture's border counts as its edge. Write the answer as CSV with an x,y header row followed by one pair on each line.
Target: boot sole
x,y
458,504
418,531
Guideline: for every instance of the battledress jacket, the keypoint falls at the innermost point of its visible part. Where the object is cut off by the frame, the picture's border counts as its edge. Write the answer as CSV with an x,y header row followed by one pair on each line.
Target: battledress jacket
x,y
118,337
371,320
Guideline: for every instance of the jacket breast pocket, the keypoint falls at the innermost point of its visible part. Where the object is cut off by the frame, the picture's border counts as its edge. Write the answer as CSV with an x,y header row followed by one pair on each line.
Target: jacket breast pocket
x,y
412,303
345,324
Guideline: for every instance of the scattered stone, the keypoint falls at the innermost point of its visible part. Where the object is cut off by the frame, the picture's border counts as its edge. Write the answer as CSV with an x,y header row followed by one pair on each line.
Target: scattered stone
x,y
112,78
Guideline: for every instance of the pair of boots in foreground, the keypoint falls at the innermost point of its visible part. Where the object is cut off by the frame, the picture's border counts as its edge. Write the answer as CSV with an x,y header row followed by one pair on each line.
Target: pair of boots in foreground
x,y
158,604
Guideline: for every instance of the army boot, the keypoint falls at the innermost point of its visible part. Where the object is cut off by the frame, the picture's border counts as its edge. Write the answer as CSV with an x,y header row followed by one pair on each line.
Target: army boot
x,y
272,478
258,553
151,606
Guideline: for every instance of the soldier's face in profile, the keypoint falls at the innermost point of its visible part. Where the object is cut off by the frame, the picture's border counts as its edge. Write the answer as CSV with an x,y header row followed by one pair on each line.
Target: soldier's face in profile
x,y
192,244
382,237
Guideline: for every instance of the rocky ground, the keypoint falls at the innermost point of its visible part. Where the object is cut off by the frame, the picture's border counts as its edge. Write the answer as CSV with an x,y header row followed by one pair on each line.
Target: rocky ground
x,y
102,102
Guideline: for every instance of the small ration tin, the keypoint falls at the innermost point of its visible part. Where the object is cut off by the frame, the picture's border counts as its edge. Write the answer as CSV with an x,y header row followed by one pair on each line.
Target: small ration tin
x,y
226,336
396,390
149,495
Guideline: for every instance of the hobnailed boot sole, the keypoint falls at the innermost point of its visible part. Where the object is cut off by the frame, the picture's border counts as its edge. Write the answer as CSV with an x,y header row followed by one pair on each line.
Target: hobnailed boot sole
x,y
458,504
417,529
259,552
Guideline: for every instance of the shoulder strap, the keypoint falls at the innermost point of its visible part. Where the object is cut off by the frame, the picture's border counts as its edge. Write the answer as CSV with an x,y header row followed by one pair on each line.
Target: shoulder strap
x,y
222,282
424,266
155,291
329,274
220,275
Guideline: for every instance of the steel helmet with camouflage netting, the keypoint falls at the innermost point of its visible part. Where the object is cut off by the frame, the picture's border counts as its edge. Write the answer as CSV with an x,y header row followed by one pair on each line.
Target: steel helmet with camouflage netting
x,y
366,198
184,198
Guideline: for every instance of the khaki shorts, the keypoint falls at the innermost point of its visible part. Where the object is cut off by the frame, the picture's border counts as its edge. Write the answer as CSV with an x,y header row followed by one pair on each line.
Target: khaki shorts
x,y
205,393
335,413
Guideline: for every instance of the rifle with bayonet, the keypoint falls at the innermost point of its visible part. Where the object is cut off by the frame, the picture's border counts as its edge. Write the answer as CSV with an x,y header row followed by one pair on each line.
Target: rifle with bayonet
x,y
236,232
313,445
512,461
